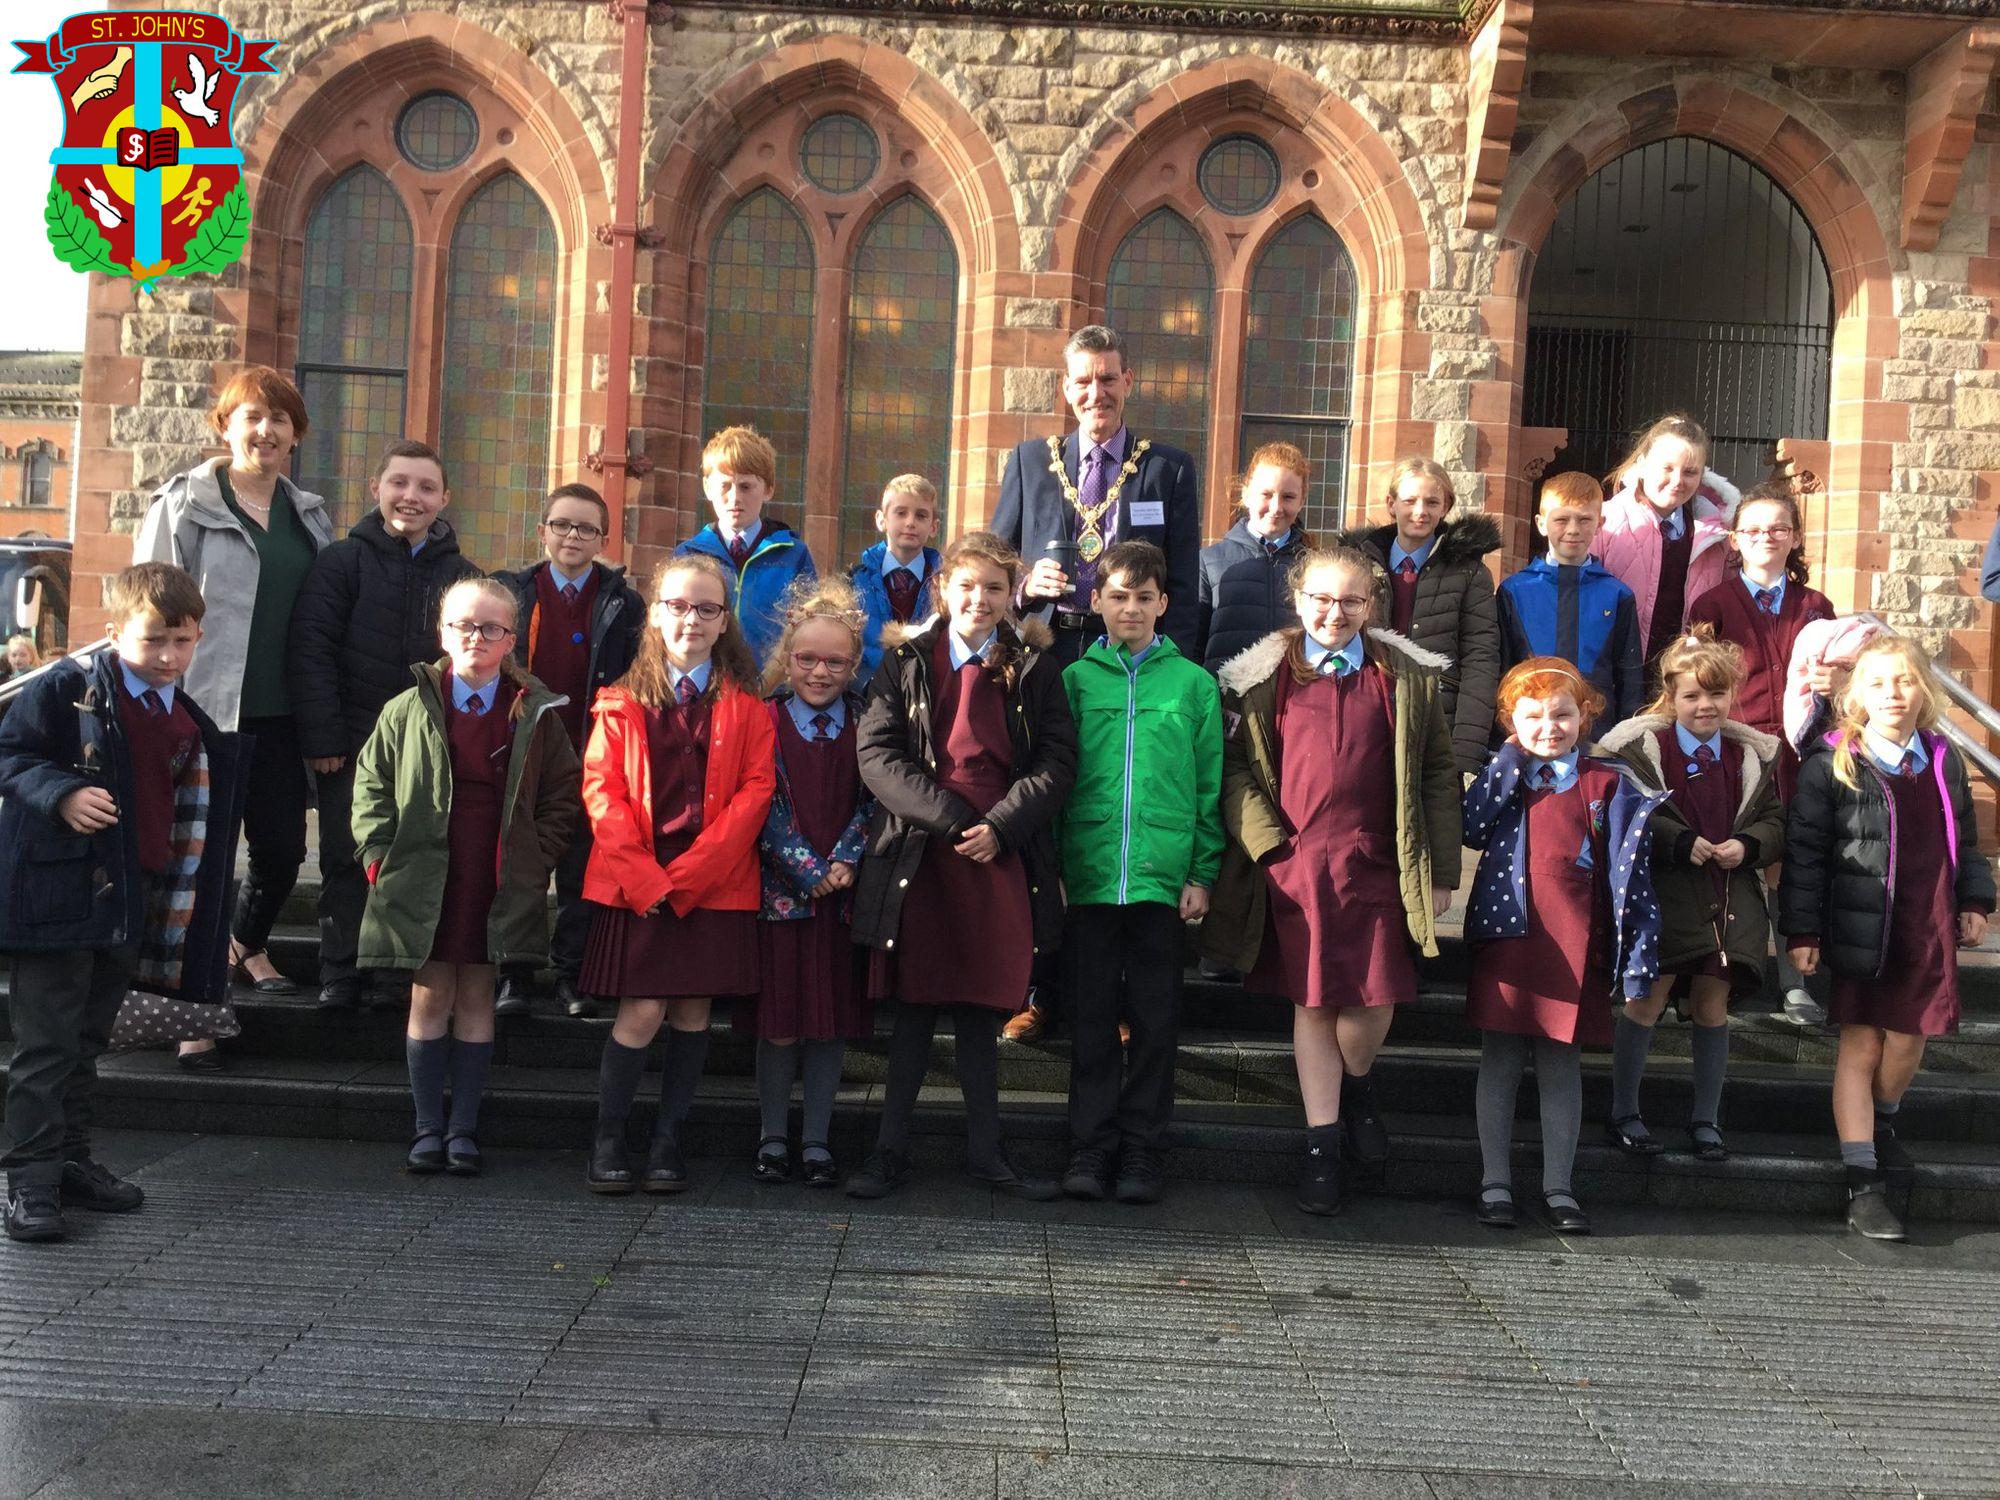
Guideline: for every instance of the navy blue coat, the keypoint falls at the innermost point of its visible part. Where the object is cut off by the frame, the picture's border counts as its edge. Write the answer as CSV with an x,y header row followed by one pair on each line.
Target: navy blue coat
x,y
1608,650
1032,513
1243,597
1494,825
68,890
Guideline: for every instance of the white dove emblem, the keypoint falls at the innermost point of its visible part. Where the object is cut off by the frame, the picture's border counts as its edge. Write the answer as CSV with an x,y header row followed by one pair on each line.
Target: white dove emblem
x,y
201,88
108,216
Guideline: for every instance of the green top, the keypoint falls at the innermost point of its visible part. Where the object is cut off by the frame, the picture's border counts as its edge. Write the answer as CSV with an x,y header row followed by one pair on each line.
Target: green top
x,y
284,557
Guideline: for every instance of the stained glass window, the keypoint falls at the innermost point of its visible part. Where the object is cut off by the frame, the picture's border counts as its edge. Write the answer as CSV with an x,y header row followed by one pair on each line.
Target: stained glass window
x,y
758,360
354,338
1238,174
437,131
499,370
1298,359
839,153
902,319
1159,297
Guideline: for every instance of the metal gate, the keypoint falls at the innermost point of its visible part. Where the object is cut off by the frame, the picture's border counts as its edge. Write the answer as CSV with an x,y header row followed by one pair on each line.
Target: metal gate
x,y
1679,278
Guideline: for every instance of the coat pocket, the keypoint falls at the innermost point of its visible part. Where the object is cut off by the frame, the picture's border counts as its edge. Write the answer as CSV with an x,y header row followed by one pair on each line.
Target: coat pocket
x,y
56,887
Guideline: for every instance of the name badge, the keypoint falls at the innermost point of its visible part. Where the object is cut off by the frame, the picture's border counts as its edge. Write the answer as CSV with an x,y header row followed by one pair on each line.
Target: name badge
x,y
1149,512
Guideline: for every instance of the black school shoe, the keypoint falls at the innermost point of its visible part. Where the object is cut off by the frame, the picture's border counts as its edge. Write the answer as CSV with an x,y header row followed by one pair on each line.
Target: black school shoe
x,y
89,1184
512,998
574,1000
1869,1212
1004,1179
880,1175
773,1162
610,1169
1140,1175
34,1212
666,1168
1089,1171
340,994
426,1155
461,1157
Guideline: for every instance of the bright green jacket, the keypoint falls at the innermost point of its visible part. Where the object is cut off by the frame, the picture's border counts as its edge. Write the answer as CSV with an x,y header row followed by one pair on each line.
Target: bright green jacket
x,y
1145,816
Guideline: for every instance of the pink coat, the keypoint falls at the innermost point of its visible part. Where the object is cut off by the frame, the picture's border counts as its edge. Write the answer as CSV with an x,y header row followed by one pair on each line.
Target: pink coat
x,y
1629,542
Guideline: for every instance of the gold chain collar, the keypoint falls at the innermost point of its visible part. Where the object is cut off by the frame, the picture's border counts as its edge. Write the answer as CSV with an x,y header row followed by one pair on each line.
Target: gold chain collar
x,y
1090,541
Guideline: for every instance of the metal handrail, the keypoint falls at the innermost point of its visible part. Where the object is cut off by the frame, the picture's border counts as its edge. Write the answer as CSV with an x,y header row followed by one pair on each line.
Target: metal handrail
x,y
1975,707
14,685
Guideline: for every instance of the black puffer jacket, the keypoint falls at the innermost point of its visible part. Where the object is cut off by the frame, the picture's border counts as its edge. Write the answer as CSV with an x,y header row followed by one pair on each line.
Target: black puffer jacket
x,y
1455,616
1837,846
368,613
1243,595
617,622
899,765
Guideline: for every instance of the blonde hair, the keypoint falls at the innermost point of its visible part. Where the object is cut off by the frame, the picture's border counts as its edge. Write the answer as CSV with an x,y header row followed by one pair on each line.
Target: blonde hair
x,y
1424,468
484,588
1854,718
1353,560
741,450
914,485
1675,424
1716,664
1543,677
647,678
831,598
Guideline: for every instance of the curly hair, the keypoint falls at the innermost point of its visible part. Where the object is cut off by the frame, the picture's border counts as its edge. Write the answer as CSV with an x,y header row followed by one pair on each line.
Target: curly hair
x,y
1716,664
1542,677
830,598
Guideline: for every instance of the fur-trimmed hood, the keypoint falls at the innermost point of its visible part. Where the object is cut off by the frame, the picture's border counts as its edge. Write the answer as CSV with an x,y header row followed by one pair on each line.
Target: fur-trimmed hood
x,y
1260,662
1029,632
1465,540
1635,742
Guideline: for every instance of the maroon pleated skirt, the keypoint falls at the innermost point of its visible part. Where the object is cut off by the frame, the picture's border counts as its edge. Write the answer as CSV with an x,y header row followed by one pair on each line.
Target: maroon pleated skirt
x,y
812,981
669,957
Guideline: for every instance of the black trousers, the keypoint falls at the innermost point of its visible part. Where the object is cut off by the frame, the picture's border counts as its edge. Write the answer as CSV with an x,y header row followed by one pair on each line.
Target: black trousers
x,y
274,826
61,1006
343,888
1122,963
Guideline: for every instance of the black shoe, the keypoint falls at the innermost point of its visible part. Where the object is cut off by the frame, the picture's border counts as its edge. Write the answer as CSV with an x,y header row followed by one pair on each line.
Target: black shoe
x,y
1707,1141
666,1168
1004,1179
773,1162
1319,1180
1565,1216
1139,1175
880,1175
89,1184
340,994
610,1170
1893,1158
34,1212
1639,1144
1367,1138
208,1060
1869,1213
574,1000
277,984
820,1171
511,999
1496,1213
1088,1174
390,992
426,1155
461,1157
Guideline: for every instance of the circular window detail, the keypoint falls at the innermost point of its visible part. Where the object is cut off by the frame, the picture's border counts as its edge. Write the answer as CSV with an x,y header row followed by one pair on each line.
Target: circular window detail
x,y
1238,174
839,153
437,131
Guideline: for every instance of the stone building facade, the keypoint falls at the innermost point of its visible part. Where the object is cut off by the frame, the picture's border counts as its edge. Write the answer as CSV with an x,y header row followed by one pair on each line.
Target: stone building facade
x,y
650,203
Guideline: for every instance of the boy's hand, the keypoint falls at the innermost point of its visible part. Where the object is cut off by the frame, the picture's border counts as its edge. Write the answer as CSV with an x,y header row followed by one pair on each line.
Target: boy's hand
x,y
89,809
1194,902
1971,928
1046,580
325,765
980,844
1440,901
1702,852
1729,854
1805,957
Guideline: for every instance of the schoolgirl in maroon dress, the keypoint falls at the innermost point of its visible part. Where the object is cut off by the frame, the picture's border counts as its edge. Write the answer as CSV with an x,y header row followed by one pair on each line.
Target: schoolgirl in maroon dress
x,y
968,747
1563,919
677,780
1883,882
812,996
457,863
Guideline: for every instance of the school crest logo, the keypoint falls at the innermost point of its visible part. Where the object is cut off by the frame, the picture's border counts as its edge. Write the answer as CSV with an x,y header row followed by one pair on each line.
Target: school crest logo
x,y
148,181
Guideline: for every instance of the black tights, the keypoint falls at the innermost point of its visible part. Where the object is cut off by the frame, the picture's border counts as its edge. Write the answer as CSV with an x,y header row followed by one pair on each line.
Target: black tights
x,y
976,1032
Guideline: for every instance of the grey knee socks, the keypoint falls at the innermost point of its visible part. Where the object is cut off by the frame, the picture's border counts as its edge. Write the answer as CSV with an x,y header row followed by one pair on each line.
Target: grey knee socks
x,y
471,1062
1711,1062
822,1069
427,1061
1502,1056
1630,1042
1559,1080
618,1075
777,1067
687,1054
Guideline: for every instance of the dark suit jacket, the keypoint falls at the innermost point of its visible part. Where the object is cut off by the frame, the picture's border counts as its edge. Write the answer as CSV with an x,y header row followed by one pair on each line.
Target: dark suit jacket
x,y
1032,512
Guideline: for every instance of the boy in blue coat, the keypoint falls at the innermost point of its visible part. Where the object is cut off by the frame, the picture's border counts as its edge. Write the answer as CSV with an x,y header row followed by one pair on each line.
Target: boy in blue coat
x,y
891,575
739,474
120,804
1568,604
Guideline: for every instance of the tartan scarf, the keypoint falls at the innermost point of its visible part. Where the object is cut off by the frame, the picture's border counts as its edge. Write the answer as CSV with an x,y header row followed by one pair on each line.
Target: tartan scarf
x,y
170,894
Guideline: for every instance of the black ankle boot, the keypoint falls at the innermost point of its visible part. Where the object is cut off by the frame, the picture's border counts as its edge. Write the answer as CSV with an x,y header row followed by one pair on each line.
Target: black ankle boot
x,y
1319,1177
666,1169
610,1170
1869,1212
1367,1137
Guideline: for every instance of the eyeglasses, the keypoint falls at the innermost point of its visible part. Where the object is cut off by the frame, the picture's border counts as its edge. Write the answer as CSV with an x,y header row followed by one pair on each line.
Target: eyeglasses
x,y
680,609
581,529
486,630
810,663
1347,604
1772,533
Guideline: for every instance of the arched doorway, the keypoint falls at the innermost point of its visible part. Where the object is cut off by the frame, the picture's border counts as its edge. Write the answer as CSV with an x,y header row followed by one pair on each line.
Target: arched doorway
x,y
1679,277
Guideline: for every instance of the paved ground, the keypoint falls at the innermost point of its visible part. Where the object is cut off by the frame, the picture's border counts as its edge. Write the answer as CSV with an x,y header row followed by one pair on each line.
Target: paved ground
x,y
297,1318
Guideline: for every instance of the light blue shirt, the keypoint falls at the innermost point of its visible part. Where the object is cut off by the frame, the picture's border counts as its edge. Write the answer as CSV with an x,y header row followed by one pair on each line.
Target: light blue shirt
x,y
802,716
564,581
699,675
138,687
1419,557
1564,766
1753,585
1689,743
962,653
462,691
748,535
1890,756
917,567
1129,657
1274,541
1346,661
1673,524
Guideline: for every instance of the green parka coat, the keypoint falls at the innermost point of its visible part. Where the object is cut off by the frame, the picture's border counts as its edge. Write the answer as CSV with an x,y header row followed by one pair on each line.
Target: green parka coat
x,y
402,818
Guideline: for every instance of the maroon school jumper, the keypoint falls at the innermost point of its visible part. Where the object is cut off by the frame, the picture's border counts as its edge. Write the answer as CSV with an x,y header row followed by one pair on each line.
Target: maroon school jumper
x,y
1670,603
1402,599
559,646
967,935
666,956
159,745
811,972
1556,982
1917,989
1767,656
1707,800
1335,894
479,746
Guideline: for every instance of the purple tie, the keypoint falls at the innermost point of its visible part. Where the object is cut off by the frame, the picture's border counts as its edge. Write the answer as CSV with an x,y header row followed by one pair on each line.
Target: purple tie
x,y
1407,569
739,550
822,723
1704,756
1767,600
1908,768
686,692
1546,776
475,704
902,586
569,593
1096,480
152,703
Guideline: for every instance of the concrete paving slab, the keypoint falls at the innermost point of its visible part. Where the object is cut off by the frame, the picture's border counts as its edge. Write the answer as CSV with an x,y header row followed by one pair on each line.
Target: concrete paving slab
x,y
590,1465
1060,1476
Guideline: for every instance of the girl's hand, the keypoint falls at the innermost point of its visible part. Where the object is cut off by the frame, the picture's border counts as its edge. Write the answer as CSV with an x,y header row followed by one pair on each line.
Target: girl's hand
x,y
1729,854
1971,928
840,877
1440,901
1702,852
980,844
325,765
1194,902
654,909
824,888
1820,678
1805,957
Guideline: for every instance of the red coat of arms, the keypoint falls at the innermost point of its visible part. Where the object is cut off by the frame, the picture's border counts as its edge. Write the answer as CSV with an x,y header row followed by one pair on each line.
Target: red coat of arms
x,y
148,182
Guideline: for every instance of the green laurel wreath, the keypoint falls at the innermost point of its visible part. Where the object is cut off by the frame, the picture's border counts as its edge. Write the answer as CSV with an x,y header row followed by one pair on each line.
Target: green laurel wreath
x,y
215,246
220,239
75,240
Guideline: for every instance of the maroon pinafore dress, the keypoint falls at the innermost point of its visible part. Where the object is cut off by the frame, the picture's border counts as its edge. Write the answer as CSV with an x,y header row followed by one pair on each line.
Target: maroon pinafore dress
x,y
967,932
480,746
1556,982
811,974
1917,990
1707,798
665,956
1335,894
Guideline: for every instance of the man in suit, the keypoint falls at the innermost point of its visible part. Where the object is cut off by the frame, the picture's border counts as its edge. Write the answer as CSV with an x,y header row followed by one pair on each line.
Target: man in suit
x,y
1101,484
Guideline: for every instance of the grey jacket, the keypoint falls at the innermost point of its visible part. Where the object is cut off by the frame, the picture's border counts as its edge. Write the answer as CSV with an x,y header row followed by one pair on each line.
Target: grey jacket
x,y
188,525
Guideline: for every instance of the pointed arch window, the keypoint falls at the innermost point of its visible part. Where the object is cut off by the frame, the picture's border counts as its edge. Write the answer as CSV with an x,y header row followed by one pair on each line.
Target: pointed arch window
x,y
1160,297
